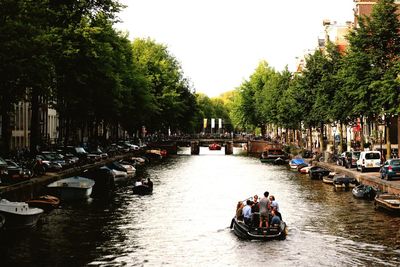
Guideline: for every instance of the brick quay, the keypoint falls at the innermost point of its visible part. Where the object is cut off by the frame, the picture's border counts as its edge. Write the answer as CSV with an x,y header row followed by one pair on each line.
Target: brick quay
x,y
368,178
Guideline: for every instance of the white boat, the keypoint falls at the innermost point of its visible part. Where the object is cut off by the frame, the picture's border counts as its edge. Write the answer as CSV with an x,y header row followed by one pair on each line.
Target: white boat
x,y
329,179
305,170
130,170
119,176
72,188
19,214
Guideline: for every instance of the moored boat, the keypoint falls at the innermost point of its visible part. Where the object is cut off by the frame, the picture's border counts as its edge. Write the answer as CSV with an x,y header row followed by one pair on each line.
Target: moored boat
x,y
389,202
245,231
317,172
45,202
143,188
295,163
279,161
19,214
344,182
364,191
272,152
305,169
214,146
329,178
72,188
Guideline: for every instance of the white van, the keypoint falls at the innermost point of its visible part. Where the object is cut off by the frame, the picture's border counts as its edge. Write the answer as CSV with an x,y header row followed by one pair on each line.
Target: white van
x,y
369,160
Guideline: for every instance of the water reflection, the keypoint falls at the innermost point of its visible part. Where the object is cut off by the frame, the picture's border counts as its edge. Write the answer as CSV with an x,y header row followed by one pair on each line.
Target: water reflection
x,y
185,222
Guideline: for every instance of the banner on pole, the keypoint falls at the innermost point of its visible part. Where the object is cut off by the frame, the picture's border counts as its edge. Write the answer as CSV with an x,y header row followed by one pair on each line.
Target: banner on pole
x,y
212,123
219,123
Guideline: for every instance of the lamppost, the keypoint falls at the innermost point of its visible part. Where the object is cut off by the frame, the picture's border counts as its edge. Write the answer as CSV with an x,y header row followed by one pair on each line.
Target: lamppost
x,y
380,140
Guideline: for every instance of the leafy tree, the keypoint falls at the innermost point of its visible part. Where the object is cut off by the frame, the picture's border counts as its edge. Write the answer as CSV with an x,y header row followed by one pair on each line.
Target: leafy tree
x,y
370,66
170,91
26,69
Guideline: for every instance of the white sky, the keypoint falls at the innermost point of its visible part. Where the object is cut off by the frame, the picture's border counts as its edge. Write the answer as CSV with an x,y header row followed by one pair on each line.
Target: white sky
x,y
219,43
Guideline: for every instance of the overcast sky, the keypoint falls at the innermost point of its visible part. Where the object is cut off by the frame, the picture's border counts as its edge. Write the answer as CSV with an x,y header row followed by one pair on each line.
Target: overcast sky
x,y
219,43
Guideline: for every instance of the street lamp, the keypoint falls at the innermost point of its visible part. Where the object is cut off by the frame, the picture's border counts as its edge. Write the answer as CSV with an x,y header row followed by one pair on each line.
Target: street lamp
x,y
380,139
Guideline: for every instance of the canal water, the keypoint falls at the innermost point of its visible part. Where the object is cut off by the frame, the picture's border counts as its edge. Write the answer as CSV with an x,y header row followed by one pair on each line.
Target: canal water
x,y
186,222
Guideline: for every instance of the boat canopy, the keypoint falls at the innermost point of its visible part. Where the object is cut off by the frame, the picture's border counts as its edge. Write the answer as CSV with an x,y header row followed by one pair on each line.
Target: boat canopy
x,y
298,161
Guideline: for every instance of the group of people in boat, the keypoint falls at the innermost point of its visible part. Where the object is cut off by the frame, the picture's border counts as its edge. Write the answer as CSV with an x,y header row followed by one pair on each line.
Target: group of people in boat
x,y
259,213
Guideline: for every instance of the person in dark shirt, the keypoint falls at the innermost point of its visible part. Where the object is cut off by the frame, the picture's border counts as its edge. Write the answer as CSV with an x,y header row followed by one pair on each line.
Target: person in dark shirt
x,y
277,212
275,220
255,209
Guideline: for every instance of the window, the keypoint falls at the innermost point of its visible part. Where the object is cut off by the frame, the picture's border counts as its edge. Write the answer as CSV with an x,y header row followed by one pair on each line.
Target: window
x,y
372,156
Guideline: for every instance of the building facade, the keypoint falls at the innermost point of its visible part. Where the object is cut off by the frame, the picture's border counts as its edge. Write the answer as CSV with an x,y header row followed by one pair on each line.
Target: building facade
x,y
21,122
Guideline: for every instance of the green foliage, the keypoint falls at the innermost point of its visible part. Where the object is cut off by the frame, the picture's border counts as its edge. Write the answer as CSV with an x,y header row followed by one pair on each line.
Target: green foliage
x,y
172,97
217,108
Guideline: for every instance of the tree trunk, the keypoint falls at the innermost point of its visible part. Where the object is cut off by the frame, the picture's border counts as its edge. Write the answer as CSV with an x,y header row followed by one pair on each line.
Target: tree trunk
x,y
388,143
67,130
35,126
362,133
340,150
321,138
263,131
311,139
5,127
104,132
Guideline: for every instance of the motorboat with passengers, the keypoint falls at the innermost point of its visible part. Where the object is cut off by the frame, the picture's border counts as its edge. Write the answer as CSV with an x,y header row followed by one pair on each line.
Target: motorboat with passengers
x,y
244,231
249,231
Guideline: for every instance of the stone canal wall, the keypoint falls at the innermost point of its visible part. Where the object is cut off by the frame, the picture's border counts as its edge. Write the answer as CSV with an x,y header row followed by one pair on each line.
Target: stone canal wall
x,y
368,178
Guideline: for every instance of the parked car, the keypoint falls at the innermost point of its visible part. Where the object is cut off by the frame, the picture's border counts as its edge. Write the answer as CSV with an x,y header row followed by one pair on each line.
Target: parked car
x,y
52,160
129,146
390,169
15,172
351,159
82,154
115,149
369,160
98,151
3,168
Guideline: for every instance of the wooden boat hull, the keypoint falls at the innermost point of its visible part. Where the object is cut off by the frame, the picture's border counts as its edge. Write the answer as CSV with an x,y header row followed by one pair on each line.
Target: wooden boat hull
x,y
327,180
71,193
388,202
245,232
45,202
